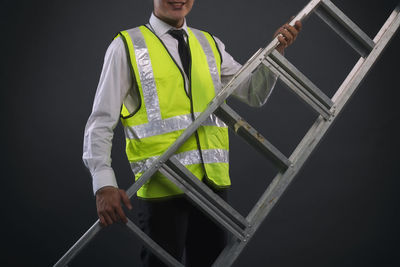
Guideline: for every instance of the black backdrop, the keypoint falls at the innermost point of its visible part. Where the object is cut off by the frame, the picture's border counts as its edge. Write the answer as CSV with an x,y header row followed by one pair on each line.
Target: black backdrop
x,y
342,210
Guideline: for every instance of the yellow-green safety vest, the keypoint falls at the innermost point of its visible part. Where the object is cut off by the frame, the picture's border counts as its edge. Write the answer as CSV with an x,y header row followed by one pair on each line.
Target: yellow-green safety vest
x,y
166,110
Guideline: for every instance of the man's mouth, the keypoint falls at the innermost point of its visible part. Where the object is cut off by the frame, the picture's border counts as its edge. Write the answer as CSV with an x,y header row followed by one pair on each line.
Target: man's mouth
x,y
176,4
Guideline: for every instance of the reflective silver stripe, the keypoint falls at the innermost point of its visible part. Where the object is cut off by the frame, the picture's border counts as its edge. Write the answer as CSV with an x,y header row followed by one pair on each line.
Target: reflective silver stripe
x,y
212,64
209,156
186,158
168,125
158,127
212,121
146,75
143,165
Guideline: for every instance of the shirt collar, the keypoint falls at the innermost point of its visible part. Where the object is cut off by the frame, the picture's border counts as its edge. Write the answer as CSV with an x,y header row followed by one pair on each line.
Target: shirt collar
x,y
160,27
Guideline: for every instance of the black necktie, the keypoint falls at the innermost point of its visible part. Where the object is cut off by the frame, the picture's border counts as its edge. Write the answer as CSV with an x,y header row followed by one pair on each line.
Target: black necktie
x,y
182,49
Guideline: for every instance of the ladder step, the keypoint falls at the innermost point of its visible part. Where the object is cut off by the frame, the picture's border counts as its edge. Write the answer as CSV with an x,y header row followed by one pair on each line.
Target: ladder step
x,y
153,246
301,78
345,27
299,83
203,203
216,200
254,138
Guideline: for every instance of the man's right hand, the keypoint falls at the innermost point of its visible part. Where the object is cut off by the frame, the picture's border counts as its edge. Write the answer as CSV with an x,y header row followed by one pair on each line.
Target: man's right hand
x,y
108,202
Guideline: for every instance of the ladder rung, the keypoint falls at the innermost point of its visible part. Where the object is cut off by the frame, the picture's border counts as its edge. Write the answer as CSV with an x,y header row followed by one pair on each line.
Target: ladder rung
x,y
202,202
254,138
300,84
216,200
302,79
153,246
345,27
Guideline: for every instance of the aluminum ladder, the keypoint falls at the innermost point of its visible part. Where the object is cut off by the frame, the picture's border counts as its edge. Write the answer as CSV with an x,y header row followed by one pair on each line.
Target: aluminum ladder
x,y
241,228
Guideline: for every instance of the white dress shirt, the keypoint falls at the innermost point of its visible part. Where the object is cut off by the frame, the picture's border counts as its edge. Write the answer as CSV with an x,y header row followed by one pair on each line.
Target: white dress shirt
x,y
116,88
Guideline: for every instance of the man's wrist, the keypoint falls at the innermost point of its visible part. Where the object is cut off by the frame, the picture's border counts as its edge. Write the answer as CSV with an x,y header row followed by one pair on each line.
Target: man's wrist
x,y
103,178
105,188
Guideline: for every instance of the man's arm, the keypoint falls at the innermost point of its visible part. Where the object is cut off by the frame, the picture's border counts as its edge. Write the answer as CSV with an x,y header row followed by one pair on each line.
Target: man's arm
x,y
254,90
113,87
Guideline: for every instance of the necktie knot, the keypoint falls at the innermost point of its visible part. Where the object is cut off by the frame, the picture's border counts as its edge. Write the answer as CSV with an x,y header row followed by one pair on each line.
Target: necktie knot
x,y
177,34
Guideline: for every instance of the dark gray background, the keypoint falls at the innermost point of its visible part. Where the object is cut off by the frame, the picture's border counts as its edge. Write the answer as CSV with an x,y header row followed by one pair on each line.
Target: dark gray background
x,y
342,210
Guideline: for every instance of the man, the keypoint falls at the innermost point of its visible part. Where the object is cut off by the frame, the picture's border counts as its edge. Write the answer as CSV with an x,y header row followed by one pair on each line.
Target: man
x,y
163,75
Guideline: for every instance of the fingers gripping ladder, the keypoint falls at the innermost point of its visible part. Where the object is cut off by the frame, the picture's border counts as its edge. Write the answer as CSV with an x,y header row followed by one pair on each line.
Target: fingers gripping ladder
x,y
243,228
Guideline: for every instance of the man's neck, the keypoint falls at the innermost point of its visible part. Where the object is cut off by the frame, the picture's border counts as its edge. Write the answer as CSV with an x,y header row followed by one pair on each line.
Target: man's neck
x,y
173,23
160,27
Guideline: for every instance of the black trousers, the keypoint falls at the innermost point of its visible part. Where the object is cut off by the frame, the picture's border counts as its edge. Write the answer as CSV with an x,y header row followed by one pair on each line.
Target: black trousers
x,y
182,230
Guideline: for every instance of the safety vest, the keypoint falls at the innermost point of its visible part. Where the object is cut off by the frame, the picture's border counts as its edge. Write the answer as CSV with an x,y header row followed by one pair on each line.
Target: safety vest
x,y
166,110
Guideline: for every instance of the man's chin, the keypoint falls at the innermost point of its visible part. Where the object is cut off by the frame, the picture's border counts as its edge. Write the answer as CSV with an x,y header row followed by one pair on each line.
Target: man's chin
x,y
176,16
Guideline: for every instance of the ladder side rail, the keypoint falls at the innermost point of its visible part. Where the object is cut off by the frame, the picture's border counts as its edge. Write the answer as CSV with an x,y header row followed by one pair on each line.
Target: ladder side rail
x,y
355,77
388,29
262,208
79,245
310,141
203,203
252,137
167,258
345,28
203,189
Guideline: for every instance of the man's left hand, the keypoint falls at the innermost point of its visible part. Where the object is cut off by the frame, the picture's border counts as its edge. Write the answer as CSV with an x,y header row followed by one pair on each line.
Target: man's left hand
x,y
287,34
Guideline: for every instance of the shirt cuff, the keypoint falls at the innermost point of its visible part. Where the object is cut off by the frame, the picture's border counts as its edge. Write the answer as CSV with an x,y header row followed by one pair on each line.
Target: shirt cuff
x,y
105,177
